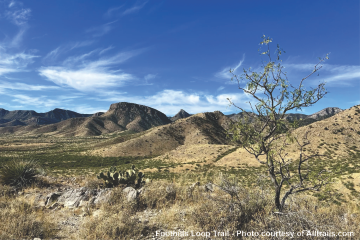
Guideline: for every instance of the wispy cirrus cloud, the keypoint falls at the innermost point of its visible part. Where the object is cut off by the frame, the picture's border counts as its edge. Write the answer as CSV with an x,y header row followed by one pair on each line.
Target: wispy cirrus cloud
x,y
225,73
14,62
331,74
149,77
134,8
18,16
24,86
119,11
15,13
85,73
114,11
220,88
39,101
53,55
102,29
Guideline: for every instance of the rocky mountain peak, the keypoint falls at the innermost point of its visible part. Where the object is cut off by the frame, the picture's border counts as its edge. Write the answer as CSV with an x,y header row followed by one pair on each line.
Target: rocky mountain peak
x,y
325,113
135,116
181,114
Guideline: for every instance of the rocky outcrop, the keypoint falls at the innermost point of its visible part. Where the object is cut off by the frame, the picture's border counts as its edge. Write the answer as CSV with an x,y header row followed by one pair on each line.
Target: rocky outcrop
x,y
72,198
325,113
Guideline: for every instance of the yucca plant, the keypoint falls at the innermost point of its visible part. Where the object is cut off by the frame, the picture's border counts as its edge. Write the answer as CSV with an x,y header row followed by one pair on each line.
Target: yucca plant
x,y
19,173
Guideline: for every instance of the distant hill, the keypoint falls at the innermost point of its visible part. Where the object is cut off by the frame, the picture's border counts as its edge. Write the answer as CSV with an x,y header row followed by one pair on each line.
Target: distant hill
x,y
325,113
120,117
302,118
181,114
201,128
30,117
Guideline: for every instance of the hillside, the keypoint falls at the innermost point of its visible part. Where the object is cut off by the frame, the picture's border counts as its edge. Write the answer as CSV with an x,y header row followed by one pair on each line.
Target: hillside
x,y
202,128
120,116
337,136
304,119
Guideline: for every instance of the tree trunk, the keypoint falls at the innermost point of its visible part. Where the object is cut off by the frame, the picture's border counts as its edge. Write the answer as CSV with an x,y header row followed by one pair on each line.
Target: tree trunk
x,y
277,199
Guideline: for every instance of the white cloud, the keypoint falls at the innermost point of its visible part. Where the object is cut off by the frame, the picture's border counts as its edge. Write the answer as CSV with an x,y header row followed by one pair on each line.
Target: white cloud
x,y
85,79
101,30
150,76
86,109
41,101
225,73
11,4
113,11
15,42
220,88
14,62
105,50
24,86
18,17
53,55
88,72
331,74
342,74
80,44
134,8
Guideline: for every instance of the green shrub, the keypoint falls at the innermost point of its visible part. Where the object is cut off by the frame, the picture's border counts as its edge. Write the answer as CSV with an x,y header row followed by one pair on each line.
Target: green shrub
x,y
19,173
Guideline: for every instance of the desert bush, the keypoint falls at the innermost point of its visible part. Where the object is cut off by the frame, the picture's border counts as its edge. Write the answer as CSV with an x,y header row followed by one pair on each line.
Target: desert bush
x,y
19,173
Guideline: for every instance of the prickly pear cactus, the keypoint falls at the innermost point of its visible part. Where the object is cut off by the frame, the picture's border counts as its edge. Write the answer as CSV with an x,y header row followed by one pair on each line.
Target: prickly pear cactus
x,y
113,178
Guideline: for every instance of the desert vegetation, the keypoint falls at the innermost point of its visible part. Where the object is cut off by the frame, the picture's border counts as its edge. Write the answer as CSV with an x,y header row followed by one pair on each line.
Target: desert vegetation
x,y
177,209
241,197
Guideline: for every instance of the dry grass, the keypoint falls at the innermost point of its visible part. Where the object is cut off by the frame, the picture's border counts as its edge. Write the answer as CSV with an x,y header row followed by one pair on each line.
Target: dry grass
x,y
168,206
20,220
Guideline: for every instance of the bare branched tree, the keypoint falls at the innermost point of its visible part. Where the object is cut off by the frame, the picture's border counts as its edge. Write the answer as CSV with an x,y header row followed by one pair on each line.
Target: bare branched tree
x,y
269,134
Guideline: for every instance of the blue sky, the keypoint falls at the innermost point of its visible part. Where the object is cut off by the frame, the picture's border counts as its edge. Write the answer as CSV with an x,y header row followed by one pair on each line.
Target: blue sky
x,y
169,55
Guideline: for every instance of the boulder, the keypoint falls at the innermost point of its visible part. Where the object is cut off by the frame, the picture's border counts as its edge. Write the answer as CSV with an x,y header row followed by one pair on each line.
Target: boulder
x,y
131,194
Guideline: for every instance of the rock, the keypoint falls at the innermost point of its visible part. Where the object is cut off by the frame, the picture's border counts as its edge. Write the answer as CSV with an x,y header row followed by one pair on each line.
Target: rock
x,y
50,198
56,206
131,194
72,198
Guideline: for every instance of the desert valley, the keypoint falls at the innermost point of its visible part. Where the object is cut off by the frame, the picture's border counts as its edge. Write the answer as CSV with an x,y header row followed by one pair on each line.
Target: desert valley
x,y
190,162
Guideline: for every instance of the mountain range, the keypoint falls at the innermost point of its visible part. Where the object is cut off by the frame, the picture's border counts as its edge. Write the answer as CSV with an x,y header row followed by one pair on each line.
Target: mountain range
x,y
30,117
120,117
